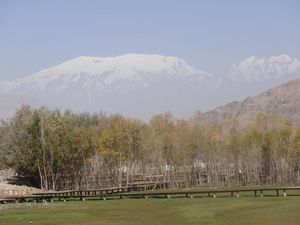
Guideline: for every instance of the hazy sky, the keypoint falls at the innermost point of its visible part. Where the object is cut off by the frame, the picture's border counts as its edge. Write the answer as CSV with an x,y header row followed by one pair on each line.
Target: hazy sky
x,y
209,35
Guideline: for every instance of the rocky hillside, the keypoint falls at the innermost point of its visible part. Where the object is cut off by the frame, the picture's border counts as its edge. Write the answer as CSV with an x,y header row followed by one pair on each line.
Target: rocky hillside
x,y
283,99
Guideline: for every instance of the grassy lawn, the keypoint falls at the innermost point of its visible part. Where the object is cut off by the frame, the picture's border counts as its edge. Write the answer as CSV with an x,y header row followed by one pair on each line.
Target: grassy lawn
x,y
179,211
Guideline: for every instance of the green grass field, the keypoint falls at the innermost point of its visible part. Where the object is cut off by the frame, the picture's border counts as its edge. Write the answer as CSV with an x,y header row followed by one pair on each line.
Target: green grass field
x,y
179,211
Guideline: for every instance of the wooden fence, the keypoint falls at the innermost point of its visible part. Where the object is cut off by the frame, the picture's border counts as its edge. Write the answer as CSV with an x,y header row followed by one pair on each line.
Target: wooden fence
x,y
143,192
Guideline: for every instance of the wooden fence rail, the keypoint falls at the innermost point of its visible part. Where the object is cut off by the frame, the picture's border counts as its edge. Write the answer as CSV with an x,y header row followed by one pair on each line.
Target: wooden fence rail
x,y
134,192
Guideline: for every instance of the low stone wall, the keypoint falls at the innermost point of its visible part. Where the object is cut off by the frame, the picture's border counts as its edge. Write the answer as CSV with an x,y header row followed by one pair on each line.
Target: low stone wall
x,y
7,189
16,192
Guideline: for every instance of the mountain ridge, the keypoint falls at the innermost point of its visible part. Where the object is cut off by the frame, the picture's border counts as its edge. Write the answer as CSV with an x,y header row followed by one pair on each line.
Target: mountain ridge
x,y
283,99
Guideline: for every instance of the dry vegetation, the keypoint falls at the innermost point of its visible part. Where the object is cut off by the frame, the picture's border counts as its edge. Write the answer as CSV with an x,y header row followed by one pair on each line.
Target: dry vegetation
x,y
62,150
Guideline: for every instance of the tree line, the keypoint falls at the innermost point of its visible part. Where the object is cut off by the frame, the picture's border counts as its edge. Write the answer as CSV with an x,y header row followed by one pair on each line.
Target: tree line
x,y
59,150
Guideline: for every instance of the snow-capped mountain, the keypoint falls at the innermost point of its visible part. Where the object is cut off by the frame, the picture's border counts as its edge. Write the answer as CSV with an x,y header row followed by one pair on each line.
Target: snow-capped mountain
x,y
255,69
142,85
121,73
131,84
253,76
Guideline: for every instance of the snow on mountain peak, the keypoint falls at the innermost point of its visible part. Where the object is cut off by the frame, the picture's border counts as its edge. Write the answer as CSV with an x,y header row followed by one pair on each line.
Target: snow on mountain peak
x,y
122,72
255,69
127,67
281,59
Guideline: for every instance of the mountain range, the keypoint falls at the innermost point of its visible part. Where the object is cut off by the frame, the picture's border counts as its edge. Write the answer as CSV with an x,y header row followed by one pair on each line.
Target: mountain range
x,y
140,85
